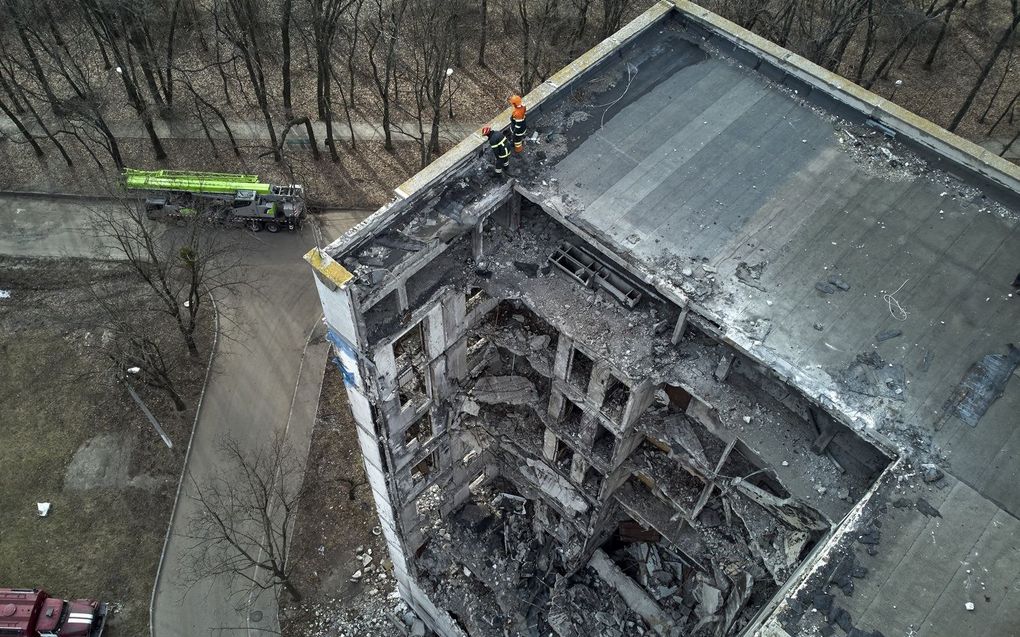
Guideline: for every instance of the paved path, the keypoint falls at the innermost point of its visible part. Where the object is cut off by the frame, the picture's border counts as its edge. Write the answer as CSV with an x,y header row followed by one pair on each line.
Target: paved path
x,y
256,130
266,378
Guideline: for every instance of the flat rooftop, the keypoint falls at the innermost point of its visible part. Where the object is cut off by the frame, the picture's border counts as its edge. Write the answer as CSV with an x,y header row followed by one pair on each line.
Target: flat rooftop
x,y
704,162
868,270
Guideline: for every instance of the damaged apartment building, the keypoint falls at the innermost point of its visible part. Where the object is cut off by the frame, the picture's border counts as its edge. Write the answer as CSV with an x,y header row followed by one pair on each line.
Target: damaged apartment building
x,y
567,435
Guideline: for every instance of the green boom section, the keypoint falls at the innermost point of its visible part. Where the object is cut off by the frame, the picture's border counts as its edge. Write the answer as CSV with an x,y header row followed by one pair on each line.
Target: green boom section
x,y
186,181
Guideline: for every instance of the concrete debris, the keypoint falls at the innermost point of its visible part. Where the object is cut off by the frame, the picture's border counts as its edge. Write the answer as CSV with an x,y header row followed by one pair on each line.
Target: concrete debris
x,y
870,375
636,598
931,473
750,274
555,486
510,390
888,334
839,282
825,287
969,606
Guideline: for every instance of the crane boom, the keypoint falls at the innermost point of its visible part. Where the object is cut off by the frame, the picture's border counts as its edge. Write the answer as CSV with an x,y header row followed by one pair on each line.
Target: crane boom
x,y
193,182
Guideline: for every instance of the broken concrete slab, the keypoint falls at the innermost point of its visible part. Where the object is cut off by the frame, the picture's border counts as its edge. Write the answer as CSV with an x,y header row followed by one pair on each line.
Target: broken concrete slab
x,y
636,598
509,390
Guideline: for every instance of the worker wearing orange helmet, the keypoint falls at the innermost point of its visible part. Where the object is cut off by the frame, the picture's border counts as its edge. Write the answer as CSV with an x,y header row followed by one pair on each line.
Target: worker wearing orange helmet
x,y
500,148
518,122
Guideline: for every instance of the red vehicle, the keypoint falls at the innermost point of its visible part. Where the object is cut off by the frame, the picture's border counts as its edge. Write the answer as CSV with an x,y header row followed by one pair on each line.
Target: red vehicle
x,y
27,612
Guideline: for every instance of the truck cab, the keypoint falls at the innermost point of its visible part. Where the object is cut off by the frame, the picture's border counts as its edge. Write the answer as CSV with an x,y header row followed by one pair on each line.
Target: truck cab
x,y
30,612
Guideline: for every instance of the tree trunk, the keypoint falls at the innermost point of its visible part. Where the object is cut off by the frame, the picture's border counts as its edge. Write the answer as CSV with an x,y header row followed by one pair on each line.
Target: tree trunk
x,y
111,143
169,86
1010,144
34,60
938,39
205,128
179,403
285,39
311,137
483,34
49,134
582,21
290,588
998,88
21,128
157,145
15,102
999,47
1007,111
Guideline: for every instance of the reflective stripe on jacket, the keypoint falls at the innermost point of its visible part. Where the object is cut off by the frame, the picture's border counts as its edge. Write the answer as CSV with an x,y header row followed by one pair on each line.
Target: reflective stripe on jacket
x,y
498,144
519,121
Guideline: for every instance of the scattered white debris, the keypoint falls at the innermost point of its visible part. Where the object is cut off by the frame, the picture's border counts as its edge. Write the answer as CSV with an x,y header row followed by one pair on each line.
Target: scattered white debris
x,y
785,463
5,294
747,419
969,605
43,508
133,370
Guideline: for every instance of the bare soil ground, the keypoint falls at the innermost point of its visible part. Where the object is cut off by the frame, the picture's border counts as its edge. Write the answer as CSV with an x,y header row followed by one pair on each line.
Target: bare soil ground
x,y
342,566
77,440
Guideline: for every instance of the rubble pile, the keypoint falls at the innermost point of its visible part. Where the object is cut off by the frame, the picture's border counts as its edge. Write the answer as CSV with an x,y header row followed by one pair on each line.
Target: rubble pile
x,y
374,612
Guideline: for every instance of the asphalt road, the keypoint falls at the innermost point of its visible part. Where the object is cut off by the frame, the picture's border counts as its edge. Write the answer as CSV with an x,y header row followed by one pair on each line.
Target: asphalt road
x,y
34,227
265,378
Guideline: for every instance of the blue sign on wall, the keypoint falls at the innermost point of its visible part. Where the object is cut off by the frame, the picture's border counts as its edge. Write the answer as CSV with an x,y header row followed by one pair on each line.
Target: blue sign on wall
x,y
347,359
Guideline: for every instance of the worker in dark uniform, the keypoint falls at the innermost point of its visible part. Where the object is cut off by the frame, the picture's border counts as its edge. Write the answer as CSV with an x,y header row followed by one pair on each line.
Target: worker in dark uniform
x,y
518,122
500,148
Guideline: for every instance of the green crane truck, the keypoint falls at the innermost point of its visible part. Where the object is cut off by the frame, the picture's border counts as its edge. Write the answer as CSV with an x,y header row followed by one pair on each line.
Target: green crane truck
x,y
221,197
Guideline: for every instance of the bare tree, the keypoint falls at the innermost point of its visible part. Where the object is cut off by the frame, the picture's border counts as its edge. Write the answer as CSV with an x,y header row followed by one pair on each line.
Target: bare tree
x,y
483,34
326,17
179,265
245,516
351,32
129,343
285,18
1000,46
432,41
612,15
384,29
122,32
239,23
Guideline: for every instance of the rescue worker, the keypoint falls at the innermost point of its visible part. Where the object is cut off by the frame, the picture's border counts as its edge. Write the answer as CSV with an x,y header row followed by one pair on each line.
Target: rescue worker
x,y
500,148
518,122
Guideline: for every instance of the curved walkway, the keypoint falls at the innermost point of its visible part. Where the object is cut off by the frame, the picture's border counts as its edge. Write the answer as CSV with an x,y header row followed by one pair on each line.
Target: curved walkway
x,y
265,378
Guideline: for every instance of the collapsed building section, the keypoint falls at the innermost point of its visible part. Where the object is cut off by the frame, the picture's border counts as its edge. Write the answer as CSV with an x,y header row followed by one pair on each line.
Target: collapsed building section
x,y
654,383
555,448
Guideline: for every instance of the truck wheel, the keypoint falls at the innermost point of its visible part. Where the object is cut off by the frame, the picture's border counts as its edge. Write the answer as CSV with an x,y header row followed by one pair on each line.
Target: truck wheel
x,y
272,226
254,225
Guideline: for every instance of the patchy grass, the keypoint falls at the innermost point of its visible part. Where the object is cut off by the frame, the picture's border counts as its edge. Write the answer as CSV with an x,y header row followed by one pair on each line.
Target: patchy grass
x,y
98,542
